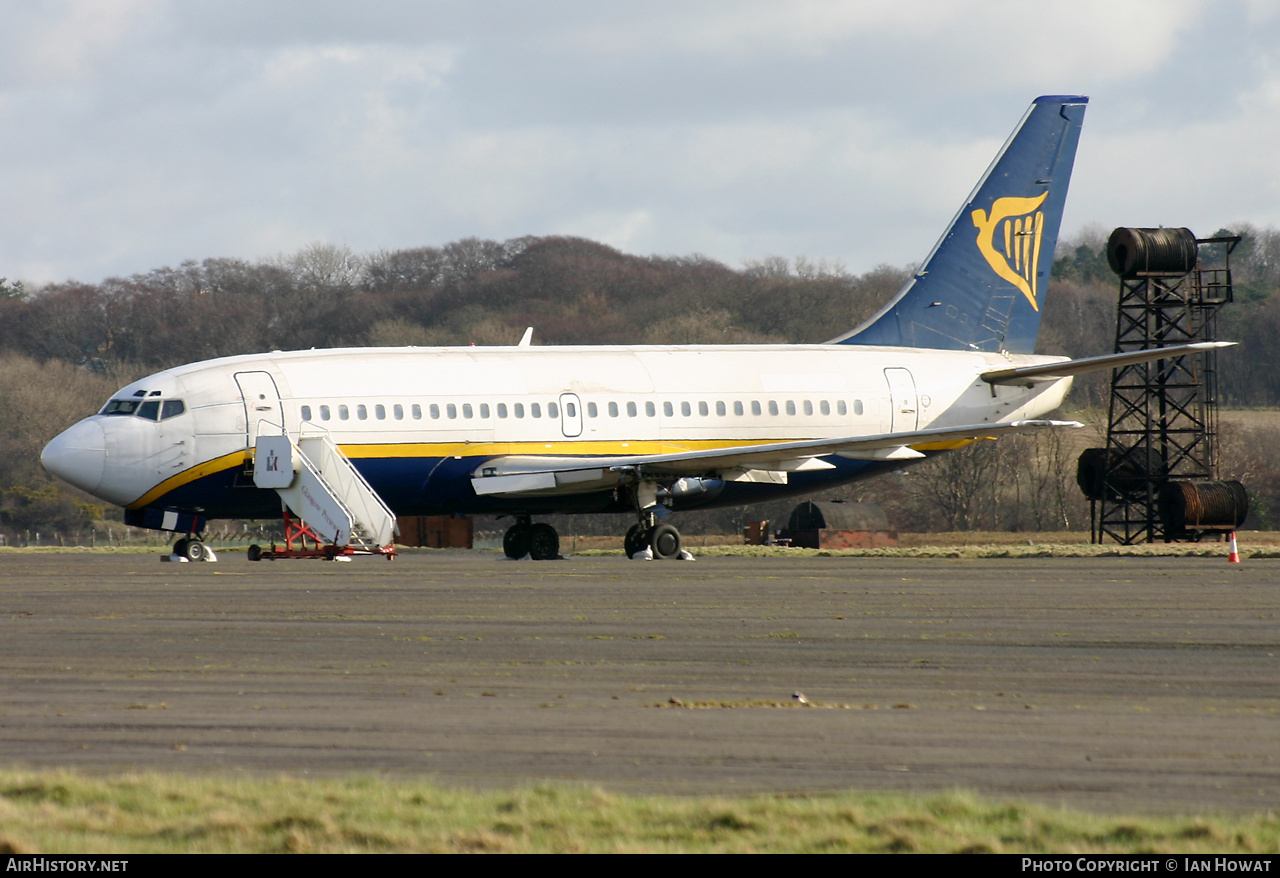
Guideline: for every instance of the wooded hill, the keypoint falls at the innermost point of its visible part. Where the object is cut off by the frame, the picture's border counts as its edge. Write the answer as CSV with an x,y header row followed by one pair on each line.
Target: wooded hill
x,y
64,348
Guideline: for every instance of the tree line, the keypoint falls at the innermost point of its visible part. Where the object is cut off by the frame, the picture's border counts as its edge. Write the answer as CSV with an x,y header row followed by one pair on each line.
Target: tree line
x,y
64,347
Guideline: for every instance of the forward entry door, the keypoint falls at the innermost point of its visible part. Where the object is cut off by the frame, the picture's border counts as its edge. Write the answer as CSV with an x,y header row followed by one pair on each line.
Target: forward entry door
x,y
261,404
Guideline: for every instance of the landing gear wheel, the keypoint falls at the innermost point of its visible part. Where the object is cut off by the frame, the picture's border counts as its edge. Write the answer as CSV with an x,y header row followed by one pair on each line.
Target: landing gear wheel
x,y
516,542
544,542
635,540
255,553
194,550
180,547
664,539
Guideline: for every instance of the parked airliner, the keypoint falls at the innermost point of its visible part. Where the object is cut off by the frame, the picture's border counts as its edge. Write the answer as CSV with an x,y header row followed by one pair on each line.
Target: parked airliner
x,y
529,430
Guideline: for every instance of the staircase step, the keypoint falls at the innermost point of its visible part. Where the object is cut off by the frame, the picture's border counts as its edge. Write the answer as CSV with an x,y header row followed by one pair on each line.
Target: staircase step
x,y
354,507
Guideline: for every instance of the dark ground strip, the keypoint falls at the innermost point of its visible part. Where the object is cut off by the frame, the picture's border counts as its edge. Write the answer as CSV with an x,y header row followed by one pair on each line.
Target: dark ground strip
x,y
1111,684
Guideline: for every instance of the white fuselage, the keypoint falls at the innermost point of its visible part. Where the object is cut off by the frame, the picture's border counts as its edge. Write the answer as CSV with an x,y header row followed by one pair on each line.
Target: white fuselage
x,y
402,414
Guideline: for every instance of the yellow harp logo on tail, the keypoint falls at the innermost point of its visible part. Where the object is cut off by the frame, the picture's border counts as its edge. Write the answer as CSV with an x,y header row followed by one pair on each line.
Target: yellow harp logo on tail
x,y
1009,239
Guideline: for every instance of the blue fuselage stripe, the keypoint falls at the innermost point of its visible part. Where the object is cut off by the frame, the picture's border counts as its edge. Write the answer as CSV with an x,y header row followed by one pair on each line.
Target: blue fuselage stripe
x,y
442,485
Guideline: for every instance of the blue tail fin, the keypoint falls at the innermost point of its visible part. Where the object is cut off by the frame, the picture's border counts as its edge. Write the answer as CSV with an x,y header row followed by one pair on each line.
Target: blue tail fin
x,y
983,286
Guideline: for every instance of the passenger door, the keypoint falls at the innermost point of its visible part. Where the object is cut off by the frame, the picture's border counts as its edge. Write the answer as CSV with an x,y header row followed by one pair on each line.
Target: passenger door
x,y
261,404
904,410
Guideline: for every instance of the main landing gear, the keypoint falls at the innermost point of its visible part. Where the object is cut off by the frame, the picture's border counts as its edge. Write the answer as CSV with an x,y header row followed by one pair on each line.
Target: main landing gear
x,y
662,540
648,538
539,541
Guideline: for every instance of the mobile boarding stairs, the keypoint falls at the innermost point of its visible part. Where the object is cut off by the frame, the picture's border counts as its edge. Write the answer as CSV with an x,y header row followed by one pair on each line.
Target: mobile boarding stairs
x,y
330,511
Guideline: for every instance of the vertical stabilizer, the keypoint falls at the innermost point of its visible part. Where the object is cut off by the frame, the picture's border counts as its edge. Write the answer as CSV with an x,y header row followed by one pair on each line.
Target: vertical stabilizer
x,y
983,286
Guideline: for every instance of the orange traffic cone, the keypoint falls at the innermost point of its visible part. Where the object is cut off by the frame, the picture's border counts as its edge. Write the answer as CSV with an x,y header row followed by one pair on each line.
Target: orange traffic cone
x,y
1234,557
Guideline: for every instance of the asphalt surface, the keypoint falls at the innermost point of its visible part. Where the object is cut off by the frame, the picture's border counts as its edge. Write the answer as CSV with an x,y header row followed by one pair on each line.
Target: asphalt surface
x,y
1110,684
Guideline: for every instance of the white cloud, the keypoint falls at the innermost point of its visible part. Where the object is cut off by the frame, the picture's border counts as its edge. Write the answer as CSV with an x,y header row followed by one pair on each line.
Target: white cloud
x,y
144,132
1005,39
1186,170
70,41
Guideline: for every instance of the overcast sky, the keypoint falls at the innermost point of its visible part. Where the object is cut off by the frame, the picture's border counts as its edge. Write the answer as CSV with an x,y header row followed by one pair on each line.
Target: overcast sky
x,y
140,133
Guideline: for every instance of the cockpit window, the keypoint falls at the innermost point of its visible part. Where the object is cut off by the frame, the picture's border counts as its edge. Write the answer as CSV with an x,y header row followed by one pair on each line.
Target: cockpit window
x,y
152,409
120,407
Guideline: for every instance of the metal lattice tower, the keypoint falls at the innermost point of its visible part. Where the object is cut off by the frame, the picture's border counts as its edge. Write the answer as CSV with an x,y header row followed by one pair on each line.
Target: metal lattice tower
x,y
1164,414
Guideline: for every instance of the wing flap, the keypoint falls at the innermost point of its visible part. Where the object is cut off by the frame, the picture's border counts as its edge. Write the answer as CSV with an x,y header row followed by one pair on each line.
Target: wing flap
x,y
515,483
902,452
571,475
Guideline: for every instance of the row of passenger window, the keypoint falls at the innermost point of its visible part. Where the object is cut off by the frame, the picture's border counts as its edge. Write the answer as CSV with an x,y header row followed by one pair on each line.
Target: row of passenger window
x,y
450,410
722,408
467,410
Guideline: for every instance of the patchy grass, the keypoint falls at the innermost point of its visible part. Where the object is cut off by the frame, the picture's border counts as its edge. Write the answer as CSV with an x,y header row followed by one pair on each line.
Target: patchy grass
x,y
755,702
84,550
959,544
985,544
994,550
62,812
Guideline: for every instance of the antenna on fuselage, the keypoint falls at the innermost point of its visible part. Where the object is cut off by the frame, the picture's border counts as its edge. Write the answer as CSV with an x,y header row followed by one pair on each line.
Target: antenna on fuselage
x,y
527,338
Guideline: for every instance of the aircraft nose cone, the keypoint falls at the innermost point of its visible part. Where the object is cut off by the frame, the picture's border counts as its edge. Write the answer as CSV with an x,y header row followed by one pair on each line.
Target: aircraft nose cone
x,y
77,455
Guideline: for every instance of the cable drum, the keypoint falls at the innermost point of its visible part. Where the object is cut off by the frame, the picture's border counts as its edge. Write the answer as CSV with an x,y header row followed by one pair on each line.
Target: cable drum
x,y
1168,252
1091,473
1127,472
1191,506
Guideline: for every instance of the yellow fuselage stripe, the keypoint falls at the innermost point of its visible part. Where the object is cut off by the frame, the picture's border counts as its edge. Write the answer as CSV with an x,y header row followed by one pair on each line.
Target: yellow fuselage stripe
x,y
488,449
451,449
199,471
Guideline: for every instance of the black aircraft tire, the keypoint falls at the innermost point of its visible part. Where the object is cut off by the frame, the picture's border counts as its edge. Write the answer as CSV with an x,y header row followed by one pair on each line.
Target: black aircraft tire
x,y
180,547
665,542
195,551
544,542
255,553
636,539
515,542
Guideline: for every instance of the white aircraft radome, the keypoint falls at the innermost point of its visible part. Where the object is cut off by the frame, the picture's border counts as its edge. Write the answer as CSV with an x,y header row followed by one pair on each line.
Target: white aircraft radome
x,y
531,430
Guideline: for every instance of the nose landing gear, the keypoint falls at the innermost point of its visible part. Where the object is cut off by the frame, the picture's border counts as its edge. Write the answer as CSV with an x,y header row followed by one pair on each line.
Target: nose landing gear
x,y
192,548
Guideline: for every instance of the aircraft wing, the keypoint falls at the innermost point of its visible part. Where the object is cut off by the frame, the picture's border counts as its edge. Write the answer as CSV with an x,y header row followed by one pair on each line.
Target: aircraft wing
x,y
769,461
1054,371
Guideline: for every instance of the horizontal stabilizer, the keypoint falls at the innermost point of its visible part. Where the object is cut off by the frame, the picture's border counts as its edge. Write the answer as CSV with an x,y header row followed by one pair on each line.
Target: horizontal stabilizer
x,y
1067,368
